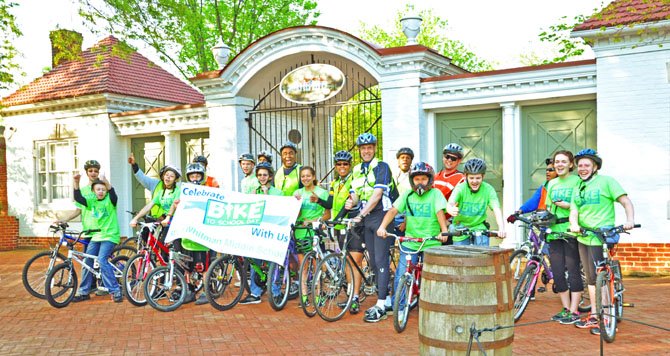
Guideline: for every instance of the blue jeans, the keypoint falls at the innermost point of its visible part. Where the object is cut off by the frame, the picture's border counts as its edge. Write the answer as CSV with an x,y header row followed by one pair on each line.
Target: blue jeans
x,y
102,249
256,291
465,242
481,240
402,267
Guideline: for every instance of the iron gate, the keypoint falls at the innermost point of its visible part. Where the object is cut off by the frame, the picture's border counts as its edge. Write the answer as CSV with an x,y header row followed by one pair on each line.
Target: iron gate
x,y
319,129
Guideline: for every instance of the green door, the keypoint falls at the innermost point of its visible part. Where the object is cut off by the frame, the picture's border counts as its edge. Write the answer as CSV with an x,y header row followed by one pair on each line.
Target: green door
x,y
150,156
549,128
194,144
480,135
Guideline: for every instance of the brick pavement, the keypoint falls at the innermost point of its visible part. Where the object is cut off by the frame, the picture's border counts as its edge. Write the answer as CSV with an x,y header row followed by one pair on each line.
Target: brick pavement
x,y
30,326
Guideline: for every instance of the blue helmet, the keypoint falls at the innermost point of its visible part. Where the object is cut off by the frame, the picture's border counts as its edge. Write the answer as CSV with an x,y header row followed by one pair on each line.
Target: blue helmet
x,y
342,156
454,149
474,166
265,165
366,138
591,154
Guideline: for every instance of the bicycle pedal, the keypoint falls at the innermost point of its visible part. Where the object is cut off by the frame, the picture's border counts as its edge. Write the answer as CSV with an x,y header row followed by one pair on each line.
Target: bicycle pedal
x,y
541,289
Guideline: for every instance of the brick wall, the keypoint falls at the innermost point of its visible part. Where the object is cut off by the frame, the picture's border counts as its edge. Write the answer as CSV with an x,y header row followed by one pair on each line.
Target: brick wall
x,y
644,258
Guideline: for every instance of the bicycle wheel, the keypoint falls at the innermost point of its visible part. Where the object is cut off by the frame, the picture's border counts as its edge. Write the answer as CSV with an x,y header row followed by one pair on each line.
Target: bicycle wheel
x,y
306,278
35,272
130,242
402,301
161,294
225,282
518,262
134,275
278,280
123,250
523,291
618,290
605,306
61,285
332,292
585,301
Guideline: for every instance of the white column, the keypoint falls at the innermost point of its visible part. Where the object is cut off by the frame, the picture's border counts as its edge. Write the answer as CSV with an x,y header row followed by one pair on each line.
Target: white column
x,y
171,148
401,116
511,126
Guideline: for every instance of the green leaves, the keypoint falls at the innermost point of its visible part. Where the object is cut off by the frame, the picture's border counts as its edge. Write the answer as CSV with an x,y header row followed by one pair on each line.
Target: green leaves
x,y
9,32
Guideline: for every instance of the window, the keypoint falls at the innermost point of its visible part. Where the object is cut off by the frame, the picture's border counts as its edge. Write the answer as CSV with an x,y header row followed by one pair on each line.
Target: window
x,y
57,162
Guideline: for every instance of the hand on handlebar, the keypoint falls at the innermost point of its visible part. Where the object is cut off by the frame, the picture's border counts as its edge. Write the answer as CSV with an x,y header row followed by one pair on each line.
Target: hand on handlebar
x,y
381,232
512,218
629,225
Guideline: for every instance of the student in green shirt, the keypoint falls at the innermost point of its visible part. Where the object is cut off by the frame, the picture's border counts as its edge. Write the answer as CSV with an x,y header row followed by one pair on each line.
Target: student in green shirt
x,y
102,209
592,206
249,183
469,201
162,199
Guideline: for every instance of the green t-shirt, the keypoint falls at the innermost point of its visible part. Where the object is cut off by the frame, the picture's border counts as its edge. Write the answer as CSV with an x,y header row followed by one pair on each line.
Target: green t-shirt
x,y
472,206
86,218
249,184
309,210
594,201
193,246
103,217
271,191
164,201
561,189
421,216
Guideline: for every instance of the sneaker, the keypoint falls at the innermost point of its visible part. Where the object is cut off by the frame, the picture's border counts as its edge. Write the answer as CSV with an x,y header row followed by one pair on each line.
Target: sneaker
x,y
80,298
251,299
101,292
117,297
202,299
355,306
374,314
388,309
587,323
570,318
190,297
595,331
560,315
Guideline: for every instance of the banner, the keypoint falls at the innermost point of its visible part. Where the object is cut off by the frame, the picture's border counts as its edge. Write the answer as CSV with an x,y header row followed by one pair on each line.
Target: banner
x,y
248,225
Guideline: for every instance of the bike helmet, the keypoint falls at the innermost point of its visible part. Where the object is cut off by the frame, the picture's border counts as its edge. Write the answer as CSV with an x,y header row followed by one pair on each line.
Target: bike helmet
x,y
290,145
542,218
201,159
474,166
454,149
195,168
169,167
405,151
265,165
591,154
343,156
246,157
366,138
266,154
91,163
418,169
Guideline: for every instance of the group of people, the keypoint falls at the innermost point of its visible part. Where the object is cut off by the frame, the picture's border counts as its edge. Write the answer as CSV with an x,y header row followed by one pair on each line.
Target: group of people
x,y
407,199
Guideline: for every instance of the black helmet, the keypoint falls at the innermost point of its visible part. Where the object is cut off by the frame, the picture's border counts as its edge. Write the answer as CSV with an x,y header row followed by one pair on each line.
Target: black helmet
x,y
169,167
543,218
200,159
405,151
342,156
589,153
266,154
246,157
290,145
91,163
421,168
474,166
195,168
454,149
366,138
265,165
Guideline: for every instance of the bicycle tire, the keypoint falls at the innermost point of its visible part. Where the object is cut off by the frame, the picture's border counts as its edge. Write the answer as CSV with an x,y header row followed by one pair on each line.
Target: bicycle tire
x,y
605,307
306,278
62,280
332,292
157,292
278,276
220,280
34,274
134,275
618,289
404,292
130,242
585,301
122,250
523,290
518,261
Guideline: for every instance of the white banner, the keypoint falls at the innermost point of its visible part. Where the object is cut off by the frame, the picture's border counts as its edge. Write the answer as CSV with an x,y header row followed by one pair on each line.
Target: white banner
x,y
248,225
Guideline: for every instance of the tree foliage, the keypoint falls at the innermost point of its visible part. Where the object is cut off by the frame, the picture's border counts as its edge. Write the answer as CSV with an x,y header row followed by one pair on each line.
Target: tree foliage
x,y
559,35
433,29
9,32
183,31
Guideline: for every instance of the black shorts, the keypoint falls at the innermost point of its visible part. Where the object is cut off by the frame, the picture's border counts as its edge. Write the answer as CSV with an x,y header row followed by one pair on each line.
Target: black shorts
x,y
355,243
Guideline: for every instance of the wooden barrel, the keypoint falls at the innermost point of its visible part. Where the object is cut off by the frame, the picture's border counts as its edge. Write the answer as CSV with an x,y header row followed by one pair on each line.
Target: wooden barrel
x,y
462,285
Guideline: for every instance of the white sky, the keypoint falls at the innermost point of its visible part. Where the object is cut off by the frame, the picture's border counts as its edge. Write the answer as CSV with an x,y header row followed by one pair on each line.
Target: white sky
x,y
495,30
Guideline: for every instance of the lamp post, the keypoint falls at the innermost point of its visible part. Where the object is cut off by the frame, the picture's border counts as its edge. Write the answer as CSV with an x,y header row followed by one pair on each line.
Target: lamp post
x,y
221,53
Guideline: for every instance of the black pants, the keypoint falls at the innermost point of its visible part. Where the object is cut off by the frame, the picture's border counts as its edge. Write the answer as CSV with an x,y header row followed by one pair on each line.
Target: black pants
x,y
378,249
564,254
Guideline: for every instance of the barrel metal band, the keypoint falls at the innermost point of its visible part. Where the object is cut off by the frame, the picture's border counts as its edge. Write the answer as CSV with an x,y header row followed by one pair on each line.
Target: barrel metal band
x,y
453,261
458,278
458,309
463,346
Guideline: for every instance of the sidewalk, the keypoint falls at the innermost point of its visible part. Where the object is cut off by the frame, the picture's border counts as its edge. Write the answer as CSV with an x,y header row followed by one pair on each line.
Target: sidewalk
x,y
31,326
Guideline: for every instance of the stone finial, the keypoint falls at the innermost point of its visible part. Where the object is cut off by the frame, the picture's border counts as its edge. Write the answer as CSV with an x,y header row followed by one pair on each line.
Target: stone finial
x,y
411,26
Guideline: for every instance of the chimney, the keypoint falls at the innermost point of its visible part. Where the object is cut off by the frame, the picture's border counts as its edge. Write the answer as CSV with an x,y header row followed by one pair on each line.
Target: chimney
x,y
65,46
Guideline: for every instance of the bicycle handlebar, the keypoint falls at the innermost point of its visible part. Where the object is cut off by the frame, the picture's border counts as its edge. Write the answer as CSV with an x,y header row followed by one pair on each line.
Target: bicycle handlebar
x,y
471,233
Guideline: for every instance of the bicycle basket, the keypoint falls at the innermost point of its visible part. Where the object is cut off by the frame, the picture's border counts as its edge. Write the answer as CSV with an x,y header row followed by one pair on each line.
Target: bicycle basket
x,y
542,218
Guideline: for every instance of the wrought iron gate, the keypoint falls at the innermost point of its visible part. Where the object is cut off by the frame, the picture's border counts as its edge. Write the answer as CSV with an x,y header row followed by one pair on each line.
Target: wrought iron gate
x,y
319,129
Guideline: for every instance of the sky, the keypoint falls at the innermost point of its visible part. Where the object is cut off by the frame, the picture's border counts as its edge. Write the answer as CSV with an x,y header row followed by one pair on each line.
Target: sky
x,y
495,30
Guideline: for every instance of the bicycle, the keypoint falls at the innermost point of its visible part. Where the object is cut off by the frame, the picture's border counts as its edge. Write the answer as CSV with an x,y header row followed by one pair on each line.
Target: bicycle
x,y
38,266
225,281
280,286
609,281
310,262
62,279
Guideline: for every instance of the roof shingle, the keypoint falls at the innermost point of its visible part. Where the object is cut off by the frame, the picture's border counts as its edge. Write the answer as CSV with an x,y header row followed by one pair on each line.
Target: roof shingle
x,y
100,70
626,12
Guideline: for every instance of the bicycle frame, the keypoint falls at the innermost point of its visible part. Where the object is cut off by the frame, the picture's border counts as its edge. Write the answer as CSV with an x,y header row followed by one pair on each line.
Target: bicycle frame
x,y
79,257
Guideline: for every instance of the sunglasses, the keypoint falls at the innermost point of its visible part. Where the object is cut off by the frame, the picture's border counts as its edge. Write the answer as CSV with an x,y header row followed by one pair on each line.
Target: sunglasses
x,y
340,164
451,158
551,170
262,175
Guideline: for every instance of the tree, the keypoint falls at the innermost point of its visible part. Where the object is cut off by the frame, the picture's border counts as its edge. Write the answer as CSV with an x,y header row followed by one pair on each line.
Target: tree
x,y
432,35
8,53
559,35
183,31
